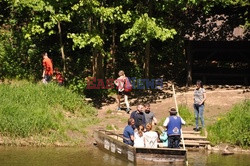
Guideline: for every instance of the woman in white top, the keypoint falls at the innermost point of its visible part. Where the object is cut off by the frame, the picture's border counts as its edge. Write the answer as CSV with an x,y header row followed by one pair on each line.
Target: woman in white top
x,y
139,138
150,137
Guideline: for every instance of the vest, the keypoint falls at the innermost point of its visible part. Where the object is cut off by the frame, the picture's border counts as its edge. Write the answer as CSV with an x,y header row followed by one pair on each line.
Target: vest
x,y
174,125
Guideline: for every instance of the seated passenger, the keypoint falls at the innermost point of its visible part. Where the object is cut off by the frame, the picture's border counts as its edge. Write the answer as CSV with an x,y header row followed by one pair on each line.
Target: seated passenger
x,y
128,133
164,140
150,137
139,137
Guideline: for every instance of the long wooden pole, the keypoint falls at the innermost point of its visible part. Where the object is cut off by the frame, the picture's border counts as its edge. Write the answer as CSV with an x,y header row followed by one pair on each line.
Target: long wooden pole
x,y
176,106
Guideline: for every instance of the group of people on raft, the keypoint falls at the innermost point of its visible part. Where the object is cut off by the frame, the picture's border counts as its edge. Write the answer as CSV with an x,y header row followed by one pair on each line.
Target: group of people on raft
x,y
139,133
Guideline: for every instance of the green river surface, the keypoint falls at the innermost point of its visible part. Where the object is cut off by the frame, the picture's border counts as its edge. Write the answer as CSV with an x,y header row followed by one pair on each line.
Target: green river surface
x,y
63,156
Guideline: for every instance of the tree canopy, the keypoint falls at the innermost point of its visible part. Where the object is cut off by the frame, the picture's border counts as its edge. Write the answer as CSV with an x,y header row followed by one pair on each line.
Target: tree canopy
x,y
99,37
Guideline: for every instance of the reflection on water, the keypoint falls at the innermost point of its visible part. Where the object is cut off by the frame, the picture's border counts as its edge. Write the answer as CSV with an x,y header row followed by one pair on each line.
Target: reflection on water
x,y
27,156
203,158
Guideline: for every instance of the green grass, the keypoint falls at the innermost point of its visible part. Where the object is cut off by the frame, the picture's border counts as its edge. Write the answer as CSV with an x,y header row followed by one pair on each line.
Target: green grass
x,y
109,111
112,127
234,127
186,114
28,109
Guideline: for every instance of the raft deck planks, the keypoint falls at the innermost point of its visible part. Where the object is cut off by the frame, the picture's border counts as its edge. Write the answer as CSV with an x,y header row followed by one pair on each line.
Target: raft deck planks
x,y
113,143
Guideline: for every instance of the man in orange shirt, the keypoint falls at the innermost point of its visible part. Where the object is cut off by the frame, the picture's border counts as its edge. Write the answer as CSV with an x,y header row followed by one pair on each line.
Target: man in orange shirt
x,y
47,68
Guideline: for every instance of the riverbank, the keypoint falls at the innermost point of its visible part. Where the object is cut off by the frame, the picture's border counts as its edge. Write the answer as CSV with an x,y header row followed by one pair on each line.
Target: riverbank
x,y
43,115
49,115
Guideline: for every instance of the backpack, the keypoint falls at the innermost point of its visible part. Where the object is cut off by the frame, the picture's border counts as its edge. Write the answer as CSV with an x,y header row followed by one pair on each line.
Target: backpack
x,y
127,86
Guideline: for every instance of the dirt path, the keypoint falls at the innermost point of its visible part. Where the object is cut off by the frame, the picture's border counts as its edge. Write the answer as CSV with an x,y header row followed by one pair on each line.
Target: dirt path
x,y
218,102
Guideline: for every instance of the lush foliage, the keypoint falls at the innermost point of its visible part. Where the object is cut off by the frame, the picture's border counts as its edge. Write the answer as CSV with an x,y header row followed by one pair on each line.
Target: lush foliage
x,y
30,109
234,128
99,37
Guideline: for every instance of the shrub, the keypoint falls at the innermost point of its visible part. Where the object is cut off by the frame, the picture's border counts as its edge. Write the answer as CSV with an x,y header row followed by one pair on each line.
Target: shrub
x,y
234,127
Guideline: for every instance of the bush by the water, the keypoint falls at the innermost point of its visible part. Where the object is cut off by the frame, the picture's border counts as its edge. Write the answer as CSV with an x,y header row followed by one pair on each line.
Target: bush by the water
x,y
234,128
28,109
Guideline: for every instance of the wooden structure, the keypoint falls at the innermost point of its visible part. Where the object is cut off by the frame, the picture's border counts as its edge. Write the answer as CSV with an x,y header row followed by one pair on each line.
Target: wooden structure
x,y
112,143
192,139
218,62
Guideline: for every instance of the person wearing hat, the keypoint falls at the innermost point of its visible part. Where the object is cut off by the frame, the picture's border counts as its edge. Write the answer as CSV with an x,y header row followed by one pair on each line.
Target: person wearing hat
x,y
173,124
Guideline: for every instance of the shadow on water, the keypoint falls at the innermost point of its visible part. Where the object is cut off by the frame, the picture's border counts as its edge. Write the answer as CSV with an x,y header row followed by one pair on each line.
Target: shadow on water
x,y
30,156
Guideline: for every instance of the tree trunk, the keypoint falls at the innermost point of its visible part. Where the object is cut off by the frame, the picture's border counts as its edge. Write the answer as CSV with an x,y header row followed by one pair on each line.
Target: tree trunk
x,y
147,49
98,57
97,64
147,60
113,50
189,64
61,46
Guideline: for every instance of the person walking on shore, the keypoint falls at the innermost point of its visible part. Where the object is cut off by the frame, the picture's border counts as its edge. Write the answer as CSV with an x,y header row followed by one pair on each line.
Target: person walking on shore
x,y
120,82
47,68
199,99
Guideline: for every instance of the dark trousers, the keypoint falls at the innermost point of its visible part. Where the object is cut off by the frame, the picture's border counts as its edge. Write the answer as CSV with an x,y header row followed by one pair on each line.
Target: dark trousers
x,y
174,141
129,142
47,78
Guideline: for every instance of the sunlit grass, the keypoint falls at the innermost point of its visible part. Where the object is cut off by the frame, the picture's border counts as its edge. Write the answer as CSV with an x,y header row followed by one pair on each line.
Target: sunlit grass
x,y
28,109
234,127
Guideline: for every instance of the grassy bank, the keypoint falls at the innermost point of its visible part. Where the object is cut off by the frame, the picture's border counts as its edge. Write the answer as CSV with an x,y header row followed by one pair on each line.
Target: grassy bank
x,y
42,114
233,128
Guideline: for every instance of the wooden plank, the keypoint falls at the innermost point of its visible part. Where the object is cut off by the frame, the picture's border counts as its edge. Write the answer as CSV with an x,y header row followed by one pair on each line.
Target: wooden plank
x,y
190,144
191,132
194,137
197,141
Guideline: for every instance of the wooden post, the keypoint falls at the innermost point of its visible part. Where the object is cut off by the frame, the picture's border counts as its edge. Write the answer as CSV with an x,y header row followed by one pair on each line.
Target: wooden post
x,y
176,106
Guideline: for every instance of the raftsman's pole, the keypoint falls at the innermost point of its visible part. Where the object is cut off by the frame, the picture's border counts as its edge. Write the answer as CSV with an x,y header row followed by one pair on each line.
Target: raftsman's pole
x,y
176,106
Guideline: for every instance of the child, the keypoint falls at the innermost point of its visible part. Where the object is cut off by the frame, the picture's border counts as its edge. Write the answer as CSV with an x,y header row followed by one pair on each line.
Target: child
x,y
164,139
151,137
59,77
139,138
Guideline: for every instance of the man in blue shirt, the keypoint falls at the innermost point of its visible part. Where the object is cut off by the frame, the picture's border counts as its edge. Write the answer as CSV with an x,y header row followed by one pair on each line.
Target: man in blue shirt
x,y
173,124
128,133
139,116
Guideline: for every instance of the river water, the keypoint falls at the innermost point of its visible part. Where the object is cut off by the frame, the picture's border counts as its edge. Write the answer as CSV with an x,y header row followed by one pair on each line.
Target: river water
x,y
30,156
